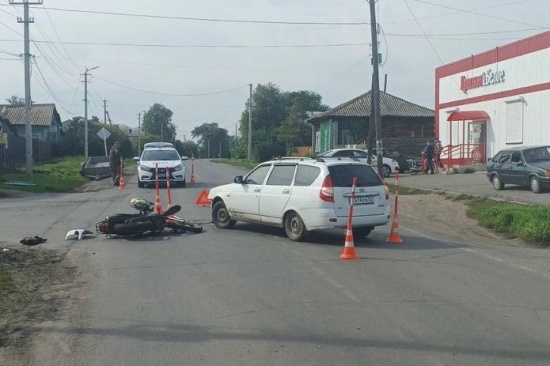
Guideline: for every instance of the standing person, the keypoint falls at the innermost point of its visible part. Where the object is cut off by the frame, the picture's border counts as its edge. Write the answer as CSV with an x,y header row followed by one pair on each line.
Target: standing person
x,y
429,152
438,151
115,157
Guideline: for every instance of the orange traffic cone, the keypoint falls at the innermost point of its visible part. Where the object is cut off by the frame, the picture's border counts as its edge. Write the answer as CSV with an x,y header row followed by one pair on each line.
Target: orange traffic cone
x,y
121,183
169,198
394,237
349,248
158,206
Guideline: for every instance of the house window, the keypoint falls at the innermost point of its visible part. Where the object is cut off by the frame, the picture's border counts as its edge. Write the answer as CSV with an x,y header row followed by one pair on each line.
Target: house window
x,y
514,122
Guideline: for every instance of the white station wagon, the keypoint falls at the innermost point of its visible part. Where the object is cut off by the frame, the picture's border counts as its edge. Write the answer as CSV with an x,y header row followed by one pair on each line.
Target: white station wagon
x,y
303,195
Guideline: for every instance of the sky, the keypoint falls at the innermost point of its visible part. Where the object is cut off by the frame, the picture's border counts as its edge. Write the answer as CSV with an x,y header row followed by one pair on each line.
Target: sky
x,y
198,57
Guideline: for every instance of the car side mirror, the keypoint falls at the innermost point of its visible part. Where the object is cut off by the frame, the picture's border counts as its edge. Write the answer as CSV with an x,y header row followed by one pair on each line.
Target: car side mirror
x,y
238,179
520,163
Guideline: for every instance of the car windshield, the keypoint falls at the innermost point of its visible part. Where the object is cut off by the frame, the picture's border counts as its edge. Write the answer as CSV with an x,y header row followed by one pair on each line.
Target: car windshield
x,y
537,155
156,155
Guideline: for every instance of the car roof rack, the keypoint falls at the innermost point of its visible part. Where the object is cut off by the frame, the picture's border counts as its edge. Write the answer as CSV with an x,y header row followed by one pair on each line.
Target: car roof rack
x,y
291,158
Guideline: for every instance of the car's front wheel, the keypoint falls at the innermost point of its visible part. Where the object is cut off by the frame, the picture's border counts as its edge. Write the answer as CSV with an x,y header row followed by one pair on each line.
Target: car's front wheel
x,y
140,184
295,228
386,170
221,217
497,183
534,183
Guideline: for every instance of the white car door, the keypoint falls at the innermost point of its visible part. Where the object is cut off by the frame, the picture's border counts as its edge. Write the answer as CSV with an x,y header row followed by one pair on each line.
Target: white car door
x,y
245,198
276,193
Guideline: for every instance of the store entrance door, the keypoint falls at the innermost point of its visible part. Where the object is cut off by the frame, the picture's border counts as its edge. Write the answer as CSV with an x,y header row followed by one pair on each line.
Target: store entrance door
x,y
477,141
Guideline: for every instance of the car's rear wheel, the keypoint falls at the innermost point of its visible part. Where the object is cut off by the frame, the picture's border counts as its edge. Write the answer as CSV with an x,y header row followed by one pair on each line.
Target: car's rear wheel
x,y
295,228
534,183
221,217
497,183
361,232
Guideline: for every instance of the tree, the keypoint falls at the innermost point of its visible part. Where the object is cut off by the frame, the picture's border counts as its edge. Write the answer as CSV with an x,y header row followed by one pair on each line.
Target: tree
x,y
157,121
187,148
213,140
16,100
72,140
278,122
294,131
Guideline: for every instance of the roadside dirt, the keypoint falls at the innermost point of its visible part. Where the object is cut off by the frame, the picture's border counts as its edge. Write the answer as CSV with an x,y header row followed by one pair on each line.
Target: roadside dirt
x,y
35,286
441,217
43,285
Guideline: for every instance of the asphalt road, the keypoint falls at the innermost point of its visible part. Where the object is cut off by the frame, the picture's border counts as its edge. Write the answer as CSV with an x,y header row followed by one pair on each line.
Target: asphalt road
x,y
475,184
250,296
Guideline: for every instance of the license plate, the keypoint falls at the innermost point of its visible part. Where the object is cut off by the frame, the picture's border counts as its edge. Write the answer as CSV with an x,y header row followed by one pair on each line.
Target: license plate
x,y
363,200
162,176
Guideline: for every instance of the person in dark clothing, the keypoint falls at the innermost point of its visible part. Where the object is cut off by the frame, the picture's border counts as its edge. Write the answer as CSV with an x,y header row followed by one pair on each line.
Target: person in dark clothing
x,y
428,154
115,162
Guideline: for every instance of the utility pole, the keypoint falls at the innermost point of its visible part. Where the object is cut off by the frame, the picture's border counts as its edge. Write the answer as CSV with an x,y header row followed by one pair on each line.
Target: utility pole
x,y
250,125
139,132
86,110
27,113
104,111
375,92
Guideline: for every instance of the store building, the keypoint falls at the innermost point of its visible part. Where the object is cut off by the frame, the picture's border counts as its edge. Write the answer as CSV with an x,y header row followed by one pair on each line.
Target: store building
x,y
494,100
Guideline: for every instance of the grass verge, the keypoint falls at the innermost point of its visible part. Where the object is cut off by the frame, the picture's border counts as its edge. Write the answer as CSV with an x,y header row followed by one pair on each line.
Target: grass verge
x,y
526,222
62,175
6,283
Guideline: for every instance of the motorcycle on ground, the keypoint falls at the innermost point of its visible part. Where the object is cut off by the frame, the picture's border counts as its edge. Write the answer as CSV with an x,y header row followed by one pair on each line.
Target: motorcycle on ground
x,y
146,221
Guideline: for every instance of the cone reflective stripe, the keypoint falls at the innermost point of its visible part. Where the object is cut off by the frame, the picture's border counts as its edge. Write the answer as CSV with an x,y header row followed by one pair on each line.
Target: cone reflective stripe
x,y
394,237
169,203
349,247
121,183
158,206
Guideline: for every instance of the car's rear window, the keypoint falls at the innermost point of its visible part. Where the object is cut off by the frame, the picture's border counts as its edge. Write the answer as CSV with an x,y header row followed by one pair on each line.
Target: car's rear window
x,y
342,175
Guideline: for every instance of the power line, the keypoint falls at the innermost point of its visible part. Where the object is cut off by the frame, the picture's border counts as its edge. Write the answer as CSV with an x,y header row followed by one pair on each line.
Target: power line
x,y
424,33
62,45
52,47
50,89
126,44
171,94
480,14
7,26
457,12
217,20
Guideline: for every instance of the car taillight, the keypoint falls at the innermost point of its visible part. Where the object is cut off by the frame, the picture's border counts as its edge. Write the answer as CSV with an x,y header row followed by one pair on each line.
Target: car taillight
x,y
327,192
387,190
